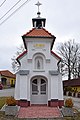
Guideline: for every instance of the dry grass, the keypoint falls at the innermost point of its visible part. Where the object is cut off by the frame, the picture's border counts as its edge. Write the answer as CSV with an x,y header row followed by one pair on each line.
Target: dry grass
x,y
4,117
2,101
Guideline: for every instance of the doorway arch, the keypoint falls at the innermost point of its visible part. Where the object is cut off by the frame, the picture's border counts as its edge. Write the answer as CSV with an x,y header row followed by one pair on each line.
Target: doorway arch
x,y
39,90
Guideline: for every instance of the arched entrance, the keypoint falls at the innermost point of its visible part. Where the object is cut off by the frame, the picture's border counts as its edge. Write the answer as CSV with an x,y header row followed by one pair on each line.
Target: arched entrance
x,y
39,90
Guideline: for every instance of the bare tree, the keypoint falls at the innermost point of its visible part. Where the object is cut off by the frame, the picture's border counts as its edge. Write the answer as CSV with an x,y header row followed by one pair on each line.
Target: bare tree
x,y
70,53
15,64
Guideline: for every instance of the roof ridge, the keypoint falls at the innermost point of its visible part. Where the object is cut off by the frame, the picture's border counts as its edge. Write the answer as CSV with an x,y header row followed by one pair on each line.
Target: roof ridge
x,y
29,31
7,73
47,32
3,70
55,55
21,54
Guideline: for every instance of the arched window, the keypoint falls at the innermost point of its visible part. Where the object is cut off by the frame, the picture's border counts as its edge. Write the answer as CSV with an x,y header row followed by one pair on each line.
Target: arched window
x,y
34,87
43,86
38,62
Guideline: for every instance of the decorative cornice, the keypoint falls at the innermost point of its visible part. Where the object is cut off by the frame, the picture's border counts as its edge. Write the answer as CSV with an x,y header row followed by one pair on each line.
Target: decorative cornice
x,y
23,72
51,72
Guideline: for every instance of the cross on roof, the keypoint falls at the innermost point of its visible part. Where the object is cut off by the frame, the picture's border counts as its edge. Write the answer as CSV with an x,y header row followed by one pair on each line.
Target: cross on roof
x,y
38,4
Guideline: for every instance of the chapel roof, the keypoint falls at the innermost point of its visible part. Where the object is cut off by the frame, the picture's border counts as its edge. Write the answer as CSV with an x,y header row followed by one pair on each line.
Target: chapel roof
x,y
39,33
21,55
7,73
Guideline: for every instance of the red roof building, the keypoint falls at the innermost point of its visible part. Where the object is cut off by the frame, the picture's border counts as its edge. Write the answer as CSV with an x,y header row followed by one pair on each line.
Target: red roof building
x,y
7,73
7,78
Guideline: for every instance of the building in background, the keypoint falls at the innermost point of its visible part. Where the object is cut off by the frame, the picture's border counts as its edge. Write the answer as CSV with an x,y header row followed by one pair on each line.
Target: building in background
x,y
7,78
72,87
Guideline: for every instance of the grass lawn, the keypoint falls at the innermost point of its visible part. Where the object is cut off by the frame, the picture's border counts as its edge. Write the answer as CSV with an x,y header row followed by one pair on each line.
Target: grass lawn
x,y
2,101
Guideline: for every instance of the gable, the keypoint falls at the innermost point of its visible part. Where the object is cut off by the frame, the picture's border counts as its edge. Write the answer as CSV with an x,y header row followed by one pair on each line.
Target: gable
x,y
25,52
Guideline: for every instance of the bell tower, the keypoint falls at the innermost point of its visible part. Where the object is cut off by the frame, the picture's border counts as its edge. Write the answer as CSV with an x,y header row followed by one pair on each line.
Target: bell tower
x,y
38,22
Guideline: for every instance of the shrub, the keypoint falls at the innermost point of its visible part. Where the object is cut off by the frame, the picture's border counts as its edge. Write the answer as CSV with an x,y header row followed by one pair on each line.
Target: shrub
x,y
69,88
10,101
68,102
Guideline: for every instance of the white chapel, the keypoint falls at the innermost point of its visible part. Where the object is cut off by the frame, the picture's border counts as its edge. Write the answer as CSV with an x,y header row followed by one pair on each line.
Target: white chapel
x,y
38,80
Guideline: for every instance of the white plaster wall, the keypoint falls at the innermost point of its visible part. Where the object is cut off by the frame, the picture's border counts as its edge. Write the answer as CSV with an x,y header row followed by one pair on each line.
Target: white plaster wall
x,y
17,87
52,64
29,65
31,42
54,87
60,87
23,87
25,63
23,82
28,89
50,60
49,88
52,82
54,61
38,73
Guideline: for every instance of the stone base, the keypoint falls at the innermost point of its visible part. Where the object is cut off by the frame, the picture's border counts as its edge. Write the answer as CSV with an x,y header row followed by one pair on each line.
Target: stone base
x,y
60,103
11,110
23,103
56,103
51,103
67,112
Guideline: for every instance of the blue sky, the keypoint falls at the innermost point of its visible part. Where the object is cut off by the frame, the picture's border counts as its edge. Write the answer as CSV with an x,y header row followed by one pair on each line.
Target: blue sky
x,y
62,20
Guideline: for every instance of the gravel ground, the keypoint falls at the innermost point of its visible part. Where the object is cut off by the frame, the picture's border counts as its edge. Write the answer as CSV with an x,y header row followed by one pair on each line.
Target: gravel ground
x,y
3,117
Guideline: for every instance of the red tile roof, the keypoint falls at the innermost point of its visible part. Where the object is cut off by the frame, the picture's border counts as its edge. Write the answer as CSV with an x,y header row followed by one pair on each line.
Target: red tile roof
x,y
21,55
38,33
7,73
72,82
55,55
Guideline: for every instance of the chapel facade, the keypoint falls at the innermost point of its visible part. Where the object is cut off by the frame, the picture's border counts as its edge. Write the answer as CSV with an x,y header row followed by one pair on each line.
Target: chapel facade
x,y
38,80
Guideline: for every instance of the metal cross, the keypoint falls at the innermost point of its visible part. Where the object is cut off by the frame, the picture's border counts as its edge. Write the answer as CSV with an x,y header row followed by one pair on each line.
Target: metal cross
x,y
38,4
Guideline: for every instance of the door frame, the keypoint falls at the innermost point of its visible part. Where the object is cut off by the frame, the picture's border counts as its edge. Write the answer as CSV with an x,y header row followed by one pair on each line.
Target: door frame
x,y
37,77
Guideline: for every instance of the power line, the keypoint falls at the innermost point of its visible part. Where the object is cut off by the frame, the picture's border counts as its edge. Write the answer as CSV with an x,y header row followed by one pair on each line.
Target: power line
x,y
14,12
10,9
2,3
